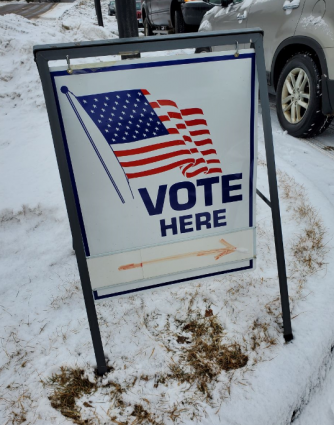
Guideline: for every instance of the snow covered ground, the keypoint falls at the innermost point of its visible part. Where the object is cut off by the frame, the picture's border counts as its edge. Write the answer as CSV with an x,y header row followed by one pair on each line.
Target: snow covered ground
x,y
44,324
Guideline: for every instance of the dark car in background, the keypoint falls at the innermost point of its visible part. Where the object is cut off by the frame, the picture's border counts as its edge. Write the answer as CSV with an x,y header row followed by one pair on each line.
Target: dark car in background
x,y
112,11
139,16
112,8
179,16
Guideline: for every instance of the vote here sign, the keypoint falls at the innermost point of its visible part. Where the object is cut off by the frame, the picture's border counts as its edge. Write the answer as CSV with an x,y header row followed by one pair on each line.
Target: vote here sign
x,y
162,157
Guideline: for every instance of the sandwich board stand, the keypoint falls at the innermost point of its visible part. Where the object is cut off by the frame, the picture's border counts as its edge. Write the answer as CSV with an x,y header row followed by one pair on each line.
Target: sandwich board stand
x,y
157,159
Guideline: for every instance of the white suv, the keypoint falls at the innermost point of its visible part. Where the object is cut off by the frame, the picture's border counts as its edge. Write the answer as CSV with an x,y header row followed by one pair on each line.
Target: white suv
x,y
299,54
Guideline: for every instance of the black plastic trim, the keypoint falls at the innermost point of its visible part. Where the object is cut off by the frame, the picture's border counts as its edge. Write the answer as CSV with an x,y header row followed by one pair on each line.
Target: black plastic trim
x,y
327,96
193,12
146,14
307,41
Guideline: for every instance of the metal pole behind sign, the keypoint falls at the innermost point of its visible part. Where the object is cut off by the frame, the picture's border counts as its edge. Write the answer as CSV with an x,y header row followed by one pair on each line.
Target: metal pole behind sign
x,y
126,14
98,12
274,201
126,18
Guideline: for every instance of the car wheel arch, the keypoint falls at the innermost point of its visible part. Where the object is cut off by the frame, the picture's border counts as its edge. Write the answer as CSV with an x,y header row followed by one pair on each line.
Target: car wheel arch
x,y
144,13
292,46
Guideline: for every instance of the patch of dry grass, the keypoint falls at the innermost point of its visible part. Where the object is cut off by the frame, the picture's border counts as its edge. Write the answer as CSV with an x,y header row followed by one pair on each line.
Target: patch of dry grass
x,y
142,416
204,355
18,402
66,292
309,246
261,334
8,215
67,387
70,384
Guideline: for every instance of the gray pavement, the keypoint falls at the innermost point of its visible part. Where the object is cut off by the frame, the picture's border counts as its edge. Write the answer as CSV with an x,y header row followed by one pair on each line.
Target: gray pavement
x,y
29,10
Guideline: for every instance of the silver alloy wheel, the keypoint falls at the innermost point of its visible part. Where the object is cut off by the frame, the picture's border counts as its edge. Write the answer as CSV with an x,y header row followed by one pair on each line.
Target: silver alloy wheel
x,y
295,95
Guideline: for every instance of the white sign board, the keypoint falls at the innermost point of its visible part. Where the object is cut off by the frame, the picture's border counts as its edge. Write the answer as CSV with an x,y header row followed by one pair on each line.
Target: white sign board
x,y
162,155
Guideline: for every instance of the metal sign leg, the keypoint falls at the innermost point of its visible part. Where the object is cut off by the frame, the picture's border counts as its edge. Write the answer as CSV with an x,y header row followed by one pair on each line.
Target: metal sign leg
x,y
72,215
275,210
91,311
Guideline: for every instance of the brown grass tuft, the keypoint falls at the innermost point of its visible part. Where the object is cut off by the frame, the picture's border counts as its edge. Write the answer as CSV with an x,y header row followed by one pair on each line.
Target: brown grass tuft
x,y
69,385
308,248
260,334
205,355
142,415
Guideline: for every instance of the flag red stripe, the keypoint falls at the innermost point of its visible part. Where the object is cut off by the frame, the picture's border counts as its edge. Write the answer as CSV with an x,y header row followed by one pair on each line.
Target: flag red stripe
x,y
215,170
191,111
154,105
187,138
184,169
194,150
195,173
199,132
203,142
198,161
173,130
159,169
167,103
154,159
213,161
149,148
195,122
181,126
208,152
164,118
144,91
175,115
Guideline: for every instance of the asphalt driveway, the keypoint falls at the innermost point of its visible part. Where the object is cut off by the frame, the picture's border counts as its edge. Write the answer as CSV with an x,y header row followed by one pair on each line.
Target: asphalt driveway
x,y
29,10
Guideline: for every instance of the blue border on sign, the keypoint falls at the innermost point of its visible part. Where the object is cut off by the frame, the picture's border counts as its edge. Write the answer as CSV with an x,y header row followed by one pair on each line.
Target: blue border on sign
x,y
252,137
55,74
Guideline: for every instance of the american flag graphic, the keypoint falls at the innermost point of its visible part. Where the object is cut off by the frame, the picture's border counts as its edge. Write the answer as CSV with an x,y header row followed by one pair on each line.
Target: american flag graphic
x,y
150,136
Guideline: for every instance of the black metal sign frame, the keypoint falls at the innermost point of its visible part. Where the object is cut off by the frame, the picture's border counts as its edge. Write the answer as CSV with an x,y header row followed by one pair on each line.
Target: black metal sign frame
x,y
130,47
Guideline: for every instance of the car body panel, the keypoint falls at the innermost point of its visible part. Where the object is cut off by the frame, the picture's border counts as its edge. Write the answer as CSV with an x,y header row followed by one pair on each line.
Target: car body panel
x,y
318,20
227,18
278,24
159,12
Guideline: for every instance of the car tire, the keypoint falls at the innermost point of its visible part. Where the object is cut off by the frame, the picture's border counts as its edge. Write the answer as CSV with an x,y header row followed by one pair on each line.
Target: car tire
x,y
180,25
298,98
147,28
